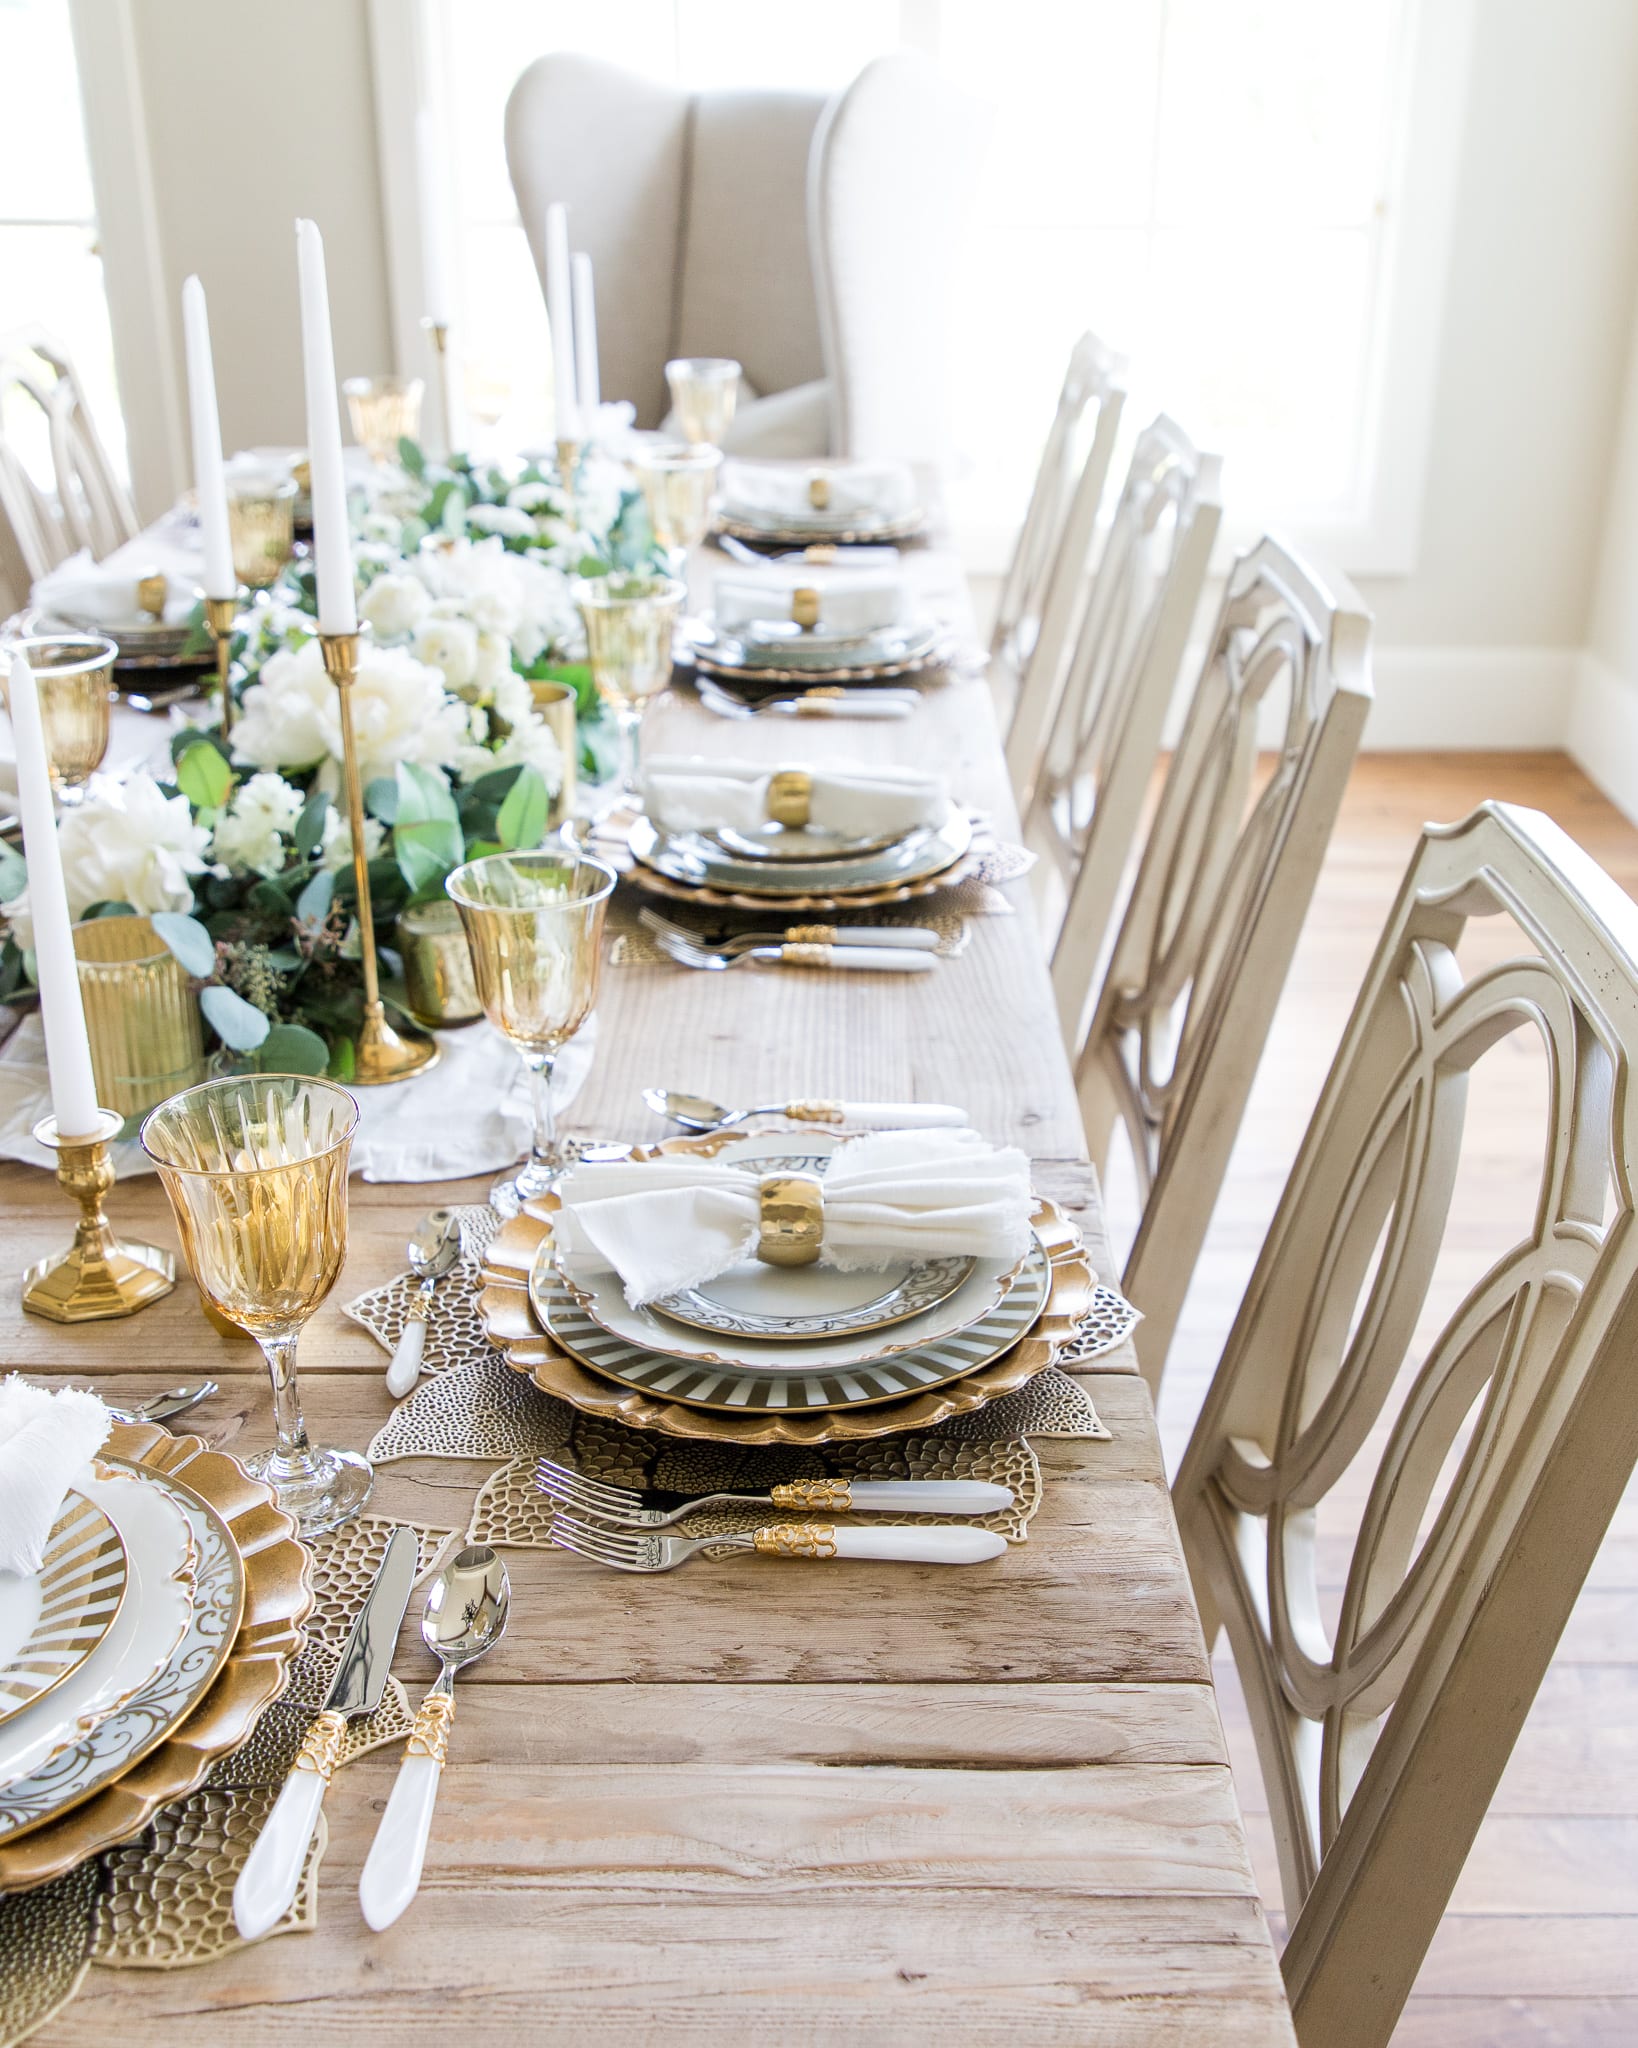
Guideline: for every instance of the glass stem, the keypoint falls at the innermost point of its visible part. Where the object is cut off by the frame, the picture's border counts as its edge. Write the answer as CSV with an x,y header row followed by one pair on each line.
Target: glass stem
x,y
629,725
290,1445
544,1150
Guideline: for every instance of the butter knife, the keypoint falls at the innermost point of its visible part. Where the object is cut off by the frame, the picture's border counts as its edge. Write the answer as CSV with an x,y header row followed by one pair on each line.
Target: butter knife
x,y
268,1882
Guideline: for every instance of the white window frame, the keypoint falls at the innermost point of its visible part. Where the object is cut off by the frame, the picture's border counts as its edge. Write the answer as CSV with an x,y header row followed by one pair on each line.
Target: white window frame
x,y
1381,536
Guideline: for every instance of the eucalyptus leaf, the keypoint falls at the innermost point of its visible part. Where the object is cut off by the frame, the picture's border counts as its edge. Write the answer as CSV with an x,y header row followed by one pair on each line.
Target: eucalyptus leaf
x,y
313,904
427,850
381,799
238,1024
106,907
293,1049
188,939
521,823
204,778
309,832
13,874
423,794
410,456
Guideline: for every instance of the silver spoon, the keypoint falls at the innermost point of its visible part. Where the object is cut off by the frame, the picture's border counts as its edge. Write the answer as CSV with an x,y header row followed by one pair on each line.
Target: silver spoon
x,y
434,1250
465,1615
697,1113
175,1400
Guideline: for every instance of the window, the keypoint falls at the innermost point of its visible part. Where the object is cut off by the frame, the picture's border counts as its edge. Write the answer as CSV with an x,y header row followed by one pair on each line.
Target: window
x,y
1251,201
50,267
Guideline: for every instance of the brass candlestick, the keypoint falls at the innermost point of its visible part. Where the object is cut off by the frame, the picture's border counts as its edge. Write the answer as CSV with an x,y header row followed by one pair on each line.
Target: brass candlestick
x,y
220,612
100,1275
439,335
383,1054
568,461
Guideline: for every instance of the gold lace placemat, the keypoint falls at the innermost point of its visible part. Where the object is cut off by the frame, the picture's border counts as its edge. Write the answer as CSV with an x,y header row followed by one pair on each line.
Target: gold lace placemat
x,y
165,1900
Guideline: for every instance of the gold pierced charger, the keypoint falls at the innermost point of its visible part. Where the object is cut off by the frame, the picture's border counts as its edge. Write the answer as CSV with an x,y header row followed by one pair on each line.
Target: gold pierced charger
x,y
252,1593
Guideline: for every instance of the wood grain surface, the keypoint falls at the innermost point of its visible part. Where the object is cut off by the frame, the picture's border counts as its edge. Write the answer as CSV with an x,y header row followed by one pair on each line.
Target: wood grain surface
x,y
764,1800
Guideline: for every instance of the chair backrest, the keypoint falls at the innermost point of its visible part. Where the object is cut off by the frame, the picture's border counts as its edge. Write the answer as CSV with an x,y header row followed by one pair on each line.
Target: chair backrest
x,y
893,161
1490,1458
1038,599
693,208
1221,890
88,507
1098,751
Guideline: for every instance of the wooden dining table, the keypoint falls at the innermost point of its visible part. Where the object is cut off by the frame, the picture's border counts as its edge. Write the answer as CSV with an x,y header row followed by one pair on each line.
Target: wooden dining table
x,y
771,1801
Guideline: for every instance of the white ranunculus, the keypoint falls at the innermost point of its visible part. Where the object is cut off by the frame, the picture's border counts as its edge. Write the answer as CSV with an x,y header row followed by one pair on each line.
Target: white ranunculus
x,y
394,605
291,717
251,832
128,842
336,847
450,645
530,741
501,519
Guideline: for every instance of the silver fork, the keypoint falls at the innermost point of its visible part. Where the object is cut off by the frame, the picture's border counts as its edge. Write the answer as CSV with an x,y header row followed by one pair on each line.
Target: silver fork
x,y
919,938
829,701
624,1509
623,1552
874,959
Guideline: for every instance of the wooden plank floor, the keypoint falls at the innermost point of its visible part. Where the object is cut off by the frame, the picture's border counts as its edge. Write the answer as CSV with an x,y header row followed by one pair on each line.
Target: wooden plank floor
x,y
1541,1944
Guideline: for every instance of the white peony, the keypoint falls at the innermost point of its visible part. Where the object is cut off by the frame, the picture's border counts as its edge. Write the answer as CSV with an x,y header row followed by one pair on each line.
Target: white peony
x,y
500,592
128,842
394,605
451,645
502,519
291,717
251,832
530,741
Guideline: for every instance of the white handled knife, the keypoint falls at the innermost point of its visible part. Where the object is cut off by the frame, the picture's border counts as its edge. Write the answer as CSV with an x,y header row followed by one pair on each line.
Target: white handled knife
x,y
268,1882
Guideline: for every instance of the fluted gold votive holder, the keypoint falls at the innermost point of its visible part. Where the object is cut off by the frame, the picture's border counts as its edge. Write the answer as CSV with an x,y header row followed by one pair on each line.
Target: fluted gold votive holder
x,y
75,675
384,411
438,973
100,1276
141,1014
555,702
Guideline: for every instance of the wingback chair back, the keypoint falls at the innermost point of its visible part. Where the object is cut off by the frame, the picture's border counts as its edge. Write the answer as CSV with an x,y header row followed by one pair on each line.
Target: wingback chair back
x,y
810,238
1222,887
87,506
1477,1465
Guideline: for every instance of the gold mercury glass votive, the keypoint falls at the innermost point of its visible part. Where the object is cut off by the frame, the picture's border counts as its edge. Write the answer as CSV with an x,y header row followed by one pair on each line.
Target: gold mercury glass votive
x,y
384,411
75,674
262,529
437,965
704,392
141,1014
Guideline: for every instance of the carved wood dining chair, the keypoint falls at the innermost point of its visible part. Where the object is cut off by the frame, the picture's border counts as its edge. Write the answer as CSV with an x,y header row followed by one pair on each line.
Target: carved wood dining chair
x,y
1084,793
1043,587
1222,887
1491,1457
88,506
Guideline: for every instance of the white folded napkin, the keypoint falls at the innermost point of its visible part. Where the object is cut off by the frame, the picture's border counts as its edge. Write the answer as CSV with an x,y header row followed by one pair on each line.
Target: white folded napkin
x,y
665,1224
780,492
88,593
45,1440
687,794
850,601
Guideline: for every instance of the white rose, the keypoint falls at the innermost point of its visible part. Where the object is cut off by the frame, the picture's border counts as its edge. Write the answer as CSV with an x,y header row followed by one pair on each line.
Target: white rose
x,y
291,718
513,700
282,717
535,497
394,605
530,742
128,842
450,645
502,519
251,832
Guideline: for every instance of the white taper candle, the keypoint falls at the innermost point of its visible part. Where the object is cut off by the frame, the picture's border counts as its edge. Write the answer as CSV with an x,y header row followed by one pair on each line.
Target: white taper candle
x,y
209,486
587,384
559,311
68,1050
332,547
432,188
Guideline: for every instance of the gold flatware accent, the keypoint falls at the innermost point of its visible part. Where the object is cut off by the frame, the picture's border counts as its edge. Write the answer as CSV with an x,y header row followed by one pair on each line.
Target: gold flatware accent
x,y
814,1541
622,1508
433,1252
699,1114
919,938
803,953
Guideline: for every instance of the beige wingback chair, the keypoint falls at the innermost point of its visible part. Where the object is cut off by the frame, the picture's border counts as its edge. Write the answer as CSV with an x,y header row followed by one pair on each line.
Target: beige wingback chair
x,y
812,239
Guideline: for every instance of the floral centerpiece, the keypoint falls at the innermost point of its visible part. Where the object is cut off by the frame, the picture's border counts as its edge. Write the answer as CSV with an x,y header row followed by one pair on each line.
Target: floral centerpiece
x,y
242,855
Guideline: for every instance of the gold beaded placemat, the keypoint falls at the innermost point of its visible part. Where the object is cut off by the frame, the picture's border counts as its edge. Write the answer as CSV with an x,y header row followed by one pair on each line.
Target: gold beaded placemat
x,y
165,1900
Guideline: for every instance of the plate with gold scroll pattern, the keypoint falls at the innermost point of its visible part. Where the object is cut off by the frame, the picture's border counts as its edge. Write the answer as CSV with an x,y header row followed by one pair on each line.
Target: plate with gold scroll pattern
x,y
51,1620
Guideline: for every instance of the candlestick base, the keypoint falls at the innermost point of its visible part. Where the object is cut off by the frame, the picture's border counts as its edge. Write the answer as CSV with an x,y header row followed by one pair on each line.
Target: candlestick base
x,y
100,1276
386,1053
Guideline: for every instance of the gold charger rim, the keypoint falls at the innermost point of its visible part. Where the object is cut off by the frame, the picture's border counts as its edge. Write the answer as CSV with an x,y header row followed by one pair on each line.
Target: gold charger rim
x,y
45,1691
653,883
908,526
276,1569
510,1324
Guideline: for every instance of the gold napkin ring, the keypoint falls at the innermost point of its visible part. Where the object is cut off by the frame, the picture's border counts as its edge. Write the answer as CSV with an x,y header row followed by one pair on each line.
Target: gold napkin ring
x,y
805,606
792,1220
151,592
819,491
790,794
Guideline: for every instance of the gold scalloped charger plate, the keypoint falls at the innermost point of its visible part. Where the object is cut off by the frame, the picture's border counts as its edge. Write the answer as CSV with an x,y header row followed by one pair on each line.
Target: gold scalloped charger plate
x,y
857,533
695,859
237,1662
511,1325
50,1623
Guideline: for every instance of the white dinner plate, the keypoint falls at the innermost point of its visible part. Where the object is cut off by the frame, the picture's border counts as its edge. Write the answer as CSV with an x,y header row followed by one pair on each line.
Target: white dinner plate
x,y
51,1620
697,861
152,1618
126,1734
785,1304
